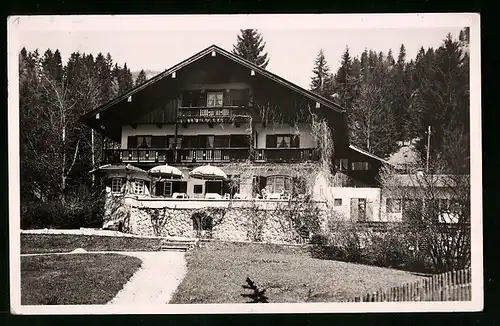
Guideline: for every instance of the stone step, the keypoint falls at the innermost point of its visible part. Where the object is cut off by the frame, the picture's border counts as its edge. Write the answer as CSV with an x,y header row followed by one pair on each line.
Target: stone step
x,y
174,248
188,241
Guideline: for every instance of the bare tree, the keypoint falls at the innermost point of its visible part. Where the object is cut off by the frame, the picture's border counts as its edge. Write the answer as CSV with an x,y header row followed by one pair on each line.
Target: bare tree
x,y
436,214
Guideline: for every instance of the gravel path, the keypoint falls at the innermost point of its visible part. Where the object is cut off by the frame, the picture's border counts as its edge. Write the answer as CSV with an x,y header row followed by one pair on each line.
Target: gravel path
x,y
156,281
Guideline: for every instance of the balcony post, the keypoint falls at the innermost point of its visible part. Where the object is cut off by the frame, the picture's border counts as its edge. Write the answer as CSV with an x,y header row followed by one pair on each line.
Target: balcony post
x,y
176,131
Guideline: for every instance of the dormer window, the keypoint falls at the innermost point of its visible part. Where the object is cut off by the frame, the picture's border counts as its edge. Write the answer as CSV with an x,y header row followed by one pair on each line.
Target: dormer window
x,y
215,99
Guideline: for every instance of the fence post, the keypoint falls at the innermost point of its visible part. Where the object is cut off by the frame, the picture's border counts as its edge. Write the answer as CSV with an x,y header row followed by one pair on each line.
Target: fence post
x,y
460,286
454,281
442,285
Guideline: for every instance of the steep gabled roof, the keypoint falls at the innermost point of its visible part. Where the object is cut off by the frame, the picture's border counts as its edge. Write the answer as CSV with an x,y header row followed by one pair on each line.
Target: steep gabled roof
x,y
258,70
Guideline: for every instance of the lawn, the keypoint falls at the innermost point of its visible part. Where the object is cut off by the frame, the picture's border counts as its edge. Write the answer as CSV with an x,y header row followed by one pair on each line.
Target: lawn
x,y
217,273
75,278
44,243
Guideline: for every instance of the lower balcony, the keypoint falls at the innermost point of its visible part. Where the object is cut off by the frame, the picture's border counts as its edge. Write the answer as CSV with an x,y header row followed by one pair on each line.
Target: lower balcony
x,y
208,155
161,156
286,155
185,155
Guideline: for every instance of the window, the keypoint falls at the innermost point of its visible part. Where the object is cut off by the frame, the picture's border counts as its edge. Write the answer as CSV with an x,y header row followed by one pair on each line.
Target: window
x,y
283,141
116,185
337,202
359,166
144,141
171,141
277,184
198,189
215,99
341,164
139,187
393,205
168,189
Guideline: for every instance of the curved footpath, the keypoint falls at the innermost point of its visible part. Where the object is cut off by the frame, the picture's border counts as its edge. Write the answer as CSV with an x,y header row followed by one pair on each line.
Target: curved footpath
x,y
154,283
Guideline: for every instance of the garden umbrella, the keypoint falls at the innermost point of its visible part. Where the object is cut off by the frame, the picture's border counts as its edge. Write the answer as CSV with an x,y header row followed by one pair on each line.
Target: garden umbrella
x,y
209,172
118,168
166,171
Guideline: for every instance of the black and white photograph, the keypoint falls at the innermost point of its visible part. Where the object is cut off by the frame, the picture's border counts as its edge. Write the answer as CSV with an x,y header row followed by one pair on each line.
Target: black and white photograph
x,y
245,163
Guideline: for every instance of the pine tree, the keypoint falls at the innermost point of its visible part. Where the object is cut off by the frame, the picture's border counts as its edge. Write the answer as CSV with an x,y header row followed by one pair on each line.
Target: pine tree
x,y
343,80
141,78
250,46
322,80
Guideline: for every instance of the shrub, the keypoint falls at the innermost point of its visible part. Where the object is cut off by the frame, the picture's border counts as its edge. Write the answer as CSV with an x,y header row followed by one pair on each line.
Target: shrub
x,y
82,209
394,247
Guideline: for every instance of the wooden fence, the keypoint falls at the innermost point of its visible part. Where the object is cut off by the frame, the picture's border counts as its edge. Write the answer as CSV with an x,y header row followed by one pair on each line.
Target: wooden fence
x,y
450,286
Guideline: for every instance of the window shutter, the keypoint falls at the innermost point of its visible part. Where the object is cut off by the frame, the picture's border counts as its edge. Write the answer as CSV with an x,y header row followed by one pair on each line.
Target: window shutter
x,y
202,141
160,187
183,187
202,99
227,97
354,209
295,141
262,183
271,141
158,141
132,142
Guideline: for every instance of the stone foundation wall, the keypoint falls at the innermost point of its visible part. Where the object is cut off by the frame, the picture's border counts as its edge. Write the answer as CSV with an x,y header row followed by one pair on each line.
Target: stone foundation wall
x,y
242,221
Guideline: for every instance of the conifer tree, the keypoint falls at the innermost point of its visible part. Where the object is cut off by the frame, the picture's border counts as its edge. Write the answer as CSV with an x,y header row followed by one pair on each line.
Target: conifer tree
x,y
141,78
322,80
343,80
250,46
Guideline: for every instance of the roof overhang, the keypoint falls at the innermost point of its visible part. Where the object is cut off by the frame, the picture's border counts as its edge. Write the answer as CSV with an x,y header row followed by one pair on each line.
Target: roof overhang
x,y
373,156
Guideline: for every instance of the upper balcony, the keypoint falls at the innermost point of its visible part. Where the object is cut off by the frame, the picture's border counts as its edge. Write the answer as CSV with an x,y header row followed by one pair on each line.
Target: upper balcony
x,y
205,114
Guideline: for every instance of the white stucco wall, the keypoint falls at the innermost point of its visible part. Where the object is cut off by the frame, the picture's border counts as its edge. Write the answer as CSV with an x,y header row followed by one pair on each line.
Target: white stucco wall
x,y
191,130
218,129
146,129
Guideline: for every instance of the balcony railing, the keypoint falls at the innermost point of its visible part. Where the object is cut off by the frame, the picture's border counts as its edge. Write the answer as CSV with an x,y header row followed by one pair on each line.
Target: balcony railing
x,y
139,155
208,155
203,114
213,154
162,156
286,155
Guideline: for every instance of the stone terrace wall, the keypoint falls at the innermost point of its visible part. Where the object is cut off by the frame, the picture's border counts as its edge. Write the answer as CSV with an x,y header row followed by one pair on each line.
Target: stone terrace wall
x,y
242,220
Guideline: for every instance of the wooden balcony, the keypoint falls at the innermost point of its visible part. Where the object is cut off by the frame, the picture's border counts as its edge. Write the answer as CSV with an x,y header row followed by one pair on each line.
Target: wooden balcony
x,y
209,155
210,114
212,155
139,156
286,155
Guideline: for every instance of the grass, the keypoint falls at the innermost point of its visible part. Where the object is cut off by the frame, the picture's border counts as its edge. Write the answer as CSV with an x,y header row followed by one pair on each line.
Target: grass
x,y
74,279
46,243
217,273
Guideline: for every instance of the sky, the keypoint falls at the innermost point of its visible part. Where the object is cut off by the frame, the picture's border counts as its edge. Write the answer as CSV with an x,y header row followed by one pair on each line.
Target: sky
x,y
292,41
